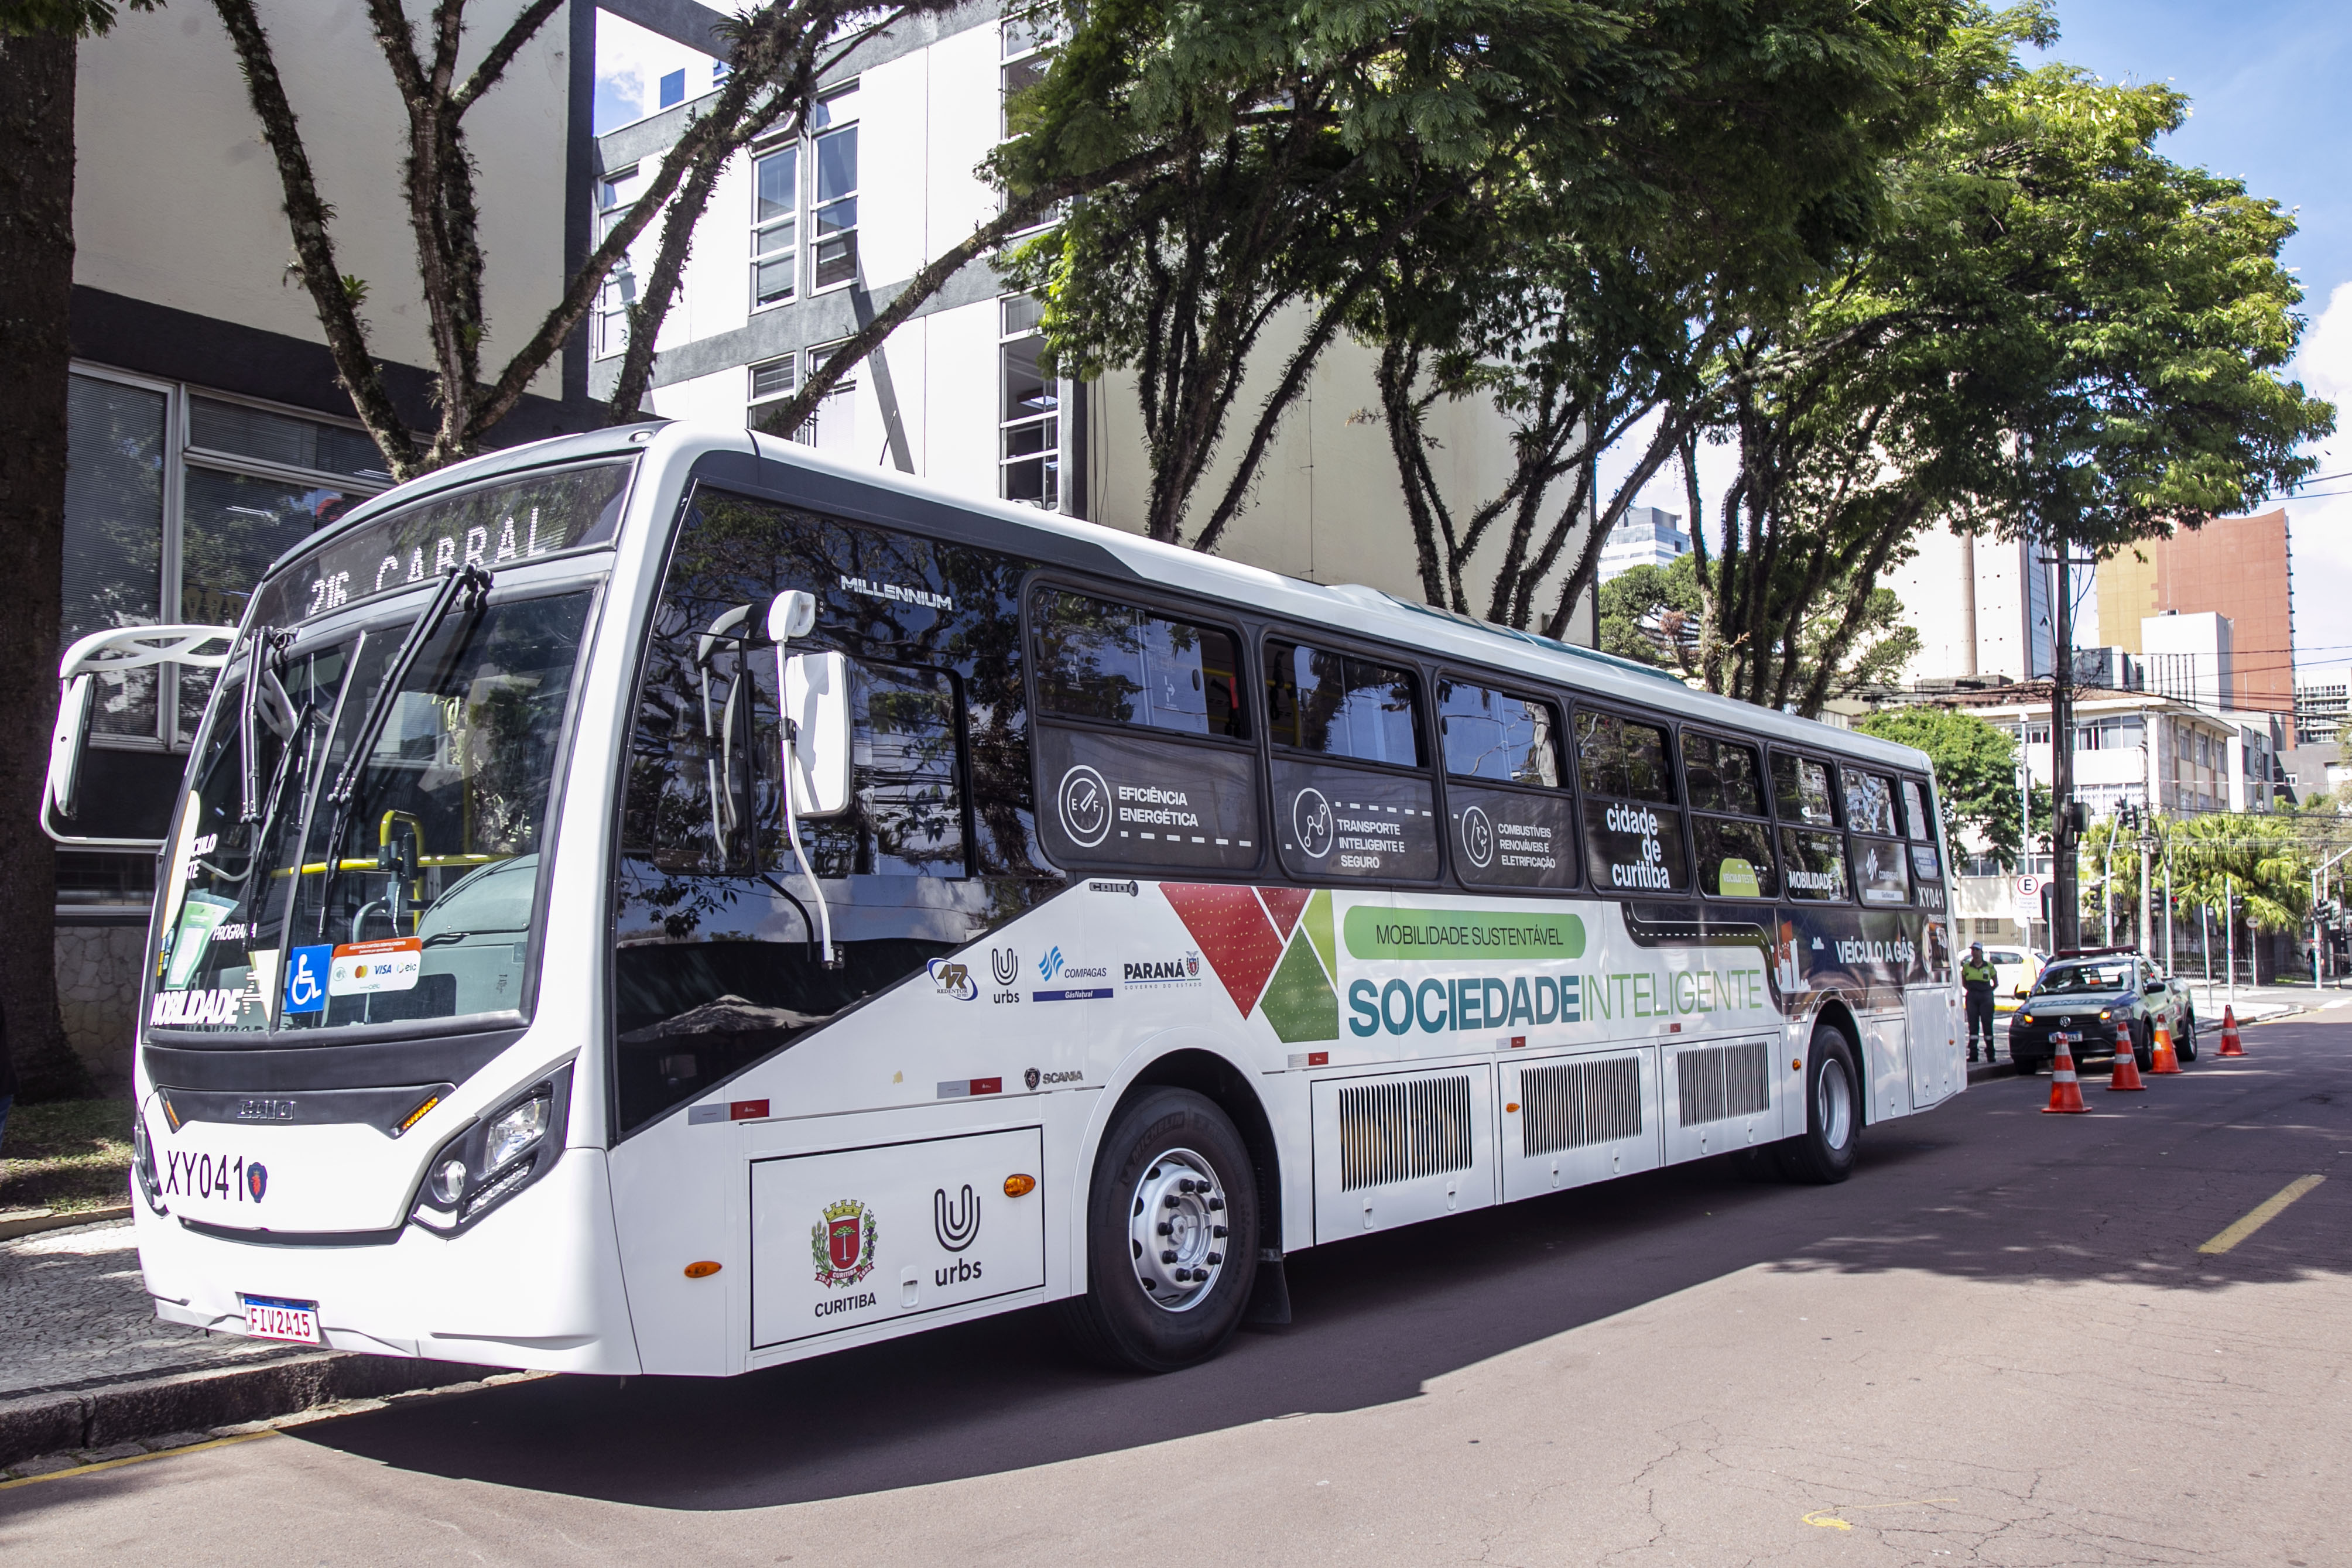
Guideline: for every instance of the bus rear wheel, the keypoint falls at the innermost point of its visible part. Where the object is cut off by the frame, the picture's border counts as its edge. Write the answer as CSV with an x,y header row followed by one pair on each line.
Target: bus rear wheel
x,y
1823,1152
1171,1236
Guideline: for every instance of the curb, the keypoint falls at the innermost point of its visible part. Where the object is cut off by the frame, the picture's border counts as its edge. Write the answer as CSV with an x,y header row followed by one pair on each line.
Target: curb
x,y
35,1222
37,1423
1985,1072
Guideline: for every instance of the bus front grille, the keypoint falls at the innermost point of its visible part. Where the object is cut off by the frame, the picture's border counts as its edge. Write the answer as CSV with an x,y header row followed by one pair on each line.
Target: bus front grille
x,y
1573,1104
1719,1081
1396,1131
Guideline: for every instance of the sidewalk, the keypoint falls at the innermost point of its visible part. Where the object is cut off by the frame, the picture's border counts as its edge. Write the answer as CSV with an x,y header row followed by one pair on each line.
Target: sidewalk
x,y
90,1370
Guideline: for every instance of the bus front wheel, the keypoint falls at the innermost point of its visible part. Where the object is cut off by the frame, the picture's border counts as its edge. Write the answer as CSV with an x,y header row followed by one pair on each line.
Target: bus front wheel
x,y
1824,1153
1171,1236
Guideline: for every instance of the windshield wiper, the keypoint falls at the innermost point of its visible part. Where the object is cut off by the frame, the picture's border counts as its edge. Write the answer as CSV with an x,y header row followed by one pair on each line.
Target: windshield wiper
x,y
470,584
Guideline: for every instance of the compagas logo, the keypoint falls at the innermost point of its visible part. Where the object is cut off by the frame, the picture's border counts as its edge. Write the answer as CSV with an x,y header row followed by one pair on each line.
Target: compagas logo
x,y
1050,965
843,1244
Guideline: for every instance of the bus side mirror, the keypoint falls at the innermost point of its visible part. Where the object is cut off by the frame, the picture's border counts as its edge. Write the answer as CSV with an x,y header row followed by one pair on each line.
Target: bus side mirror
x,y
64,744
816,708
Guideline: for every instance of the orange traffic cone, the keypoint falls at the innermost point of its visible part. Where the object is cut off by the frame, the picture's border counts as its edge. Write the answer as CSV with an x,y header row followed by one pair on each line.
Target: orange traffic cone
x,y
2126,1074
2229,1044
2066,1089
2163,1059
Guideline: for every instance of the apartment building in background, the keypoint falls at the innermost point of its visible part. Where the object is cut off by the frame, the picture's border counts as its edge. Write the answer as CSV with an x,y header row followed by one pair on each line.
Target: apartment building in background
x,y
1981,606
2240,567
807,235
1644,536
206,432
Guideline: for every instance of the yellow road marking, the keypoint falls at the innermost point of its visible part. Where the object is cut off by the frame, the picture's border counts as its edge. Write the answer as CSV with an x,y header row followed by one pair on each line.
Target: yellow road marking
x,y
135,1459
1826,1518
2262,1214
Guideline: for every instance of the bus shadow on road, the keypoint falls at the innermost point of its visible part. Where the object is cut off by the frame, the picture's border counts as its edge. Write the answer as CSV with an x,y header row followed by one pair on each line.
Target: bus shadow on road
x,y
1377,1318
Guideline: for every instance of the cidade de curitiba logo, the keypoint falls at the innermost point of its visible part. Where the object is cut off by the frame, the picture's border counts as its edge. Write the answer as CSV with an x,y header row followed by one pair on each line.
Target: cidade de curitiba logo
x,y
953,978
1084,802
1649,870
843,1244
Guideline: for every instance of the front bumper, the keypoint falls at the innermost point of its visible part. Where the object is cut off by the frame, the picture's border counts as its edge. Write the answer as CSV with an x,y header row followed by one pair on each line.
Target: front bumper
x,y
2093,1038
536,1285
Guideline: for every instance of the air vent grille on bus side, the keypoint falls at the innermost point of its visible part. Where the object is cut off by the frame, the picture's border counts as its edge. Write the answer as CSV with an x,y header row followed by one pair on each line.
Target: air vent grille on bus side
x,y
1396,1131
1573,1104
1717,1081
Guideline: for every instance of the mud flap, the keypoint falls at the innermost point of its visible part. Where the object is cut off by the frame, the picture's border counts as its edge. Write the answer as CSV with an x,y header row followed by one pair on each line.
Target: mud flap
x,y
1269,1302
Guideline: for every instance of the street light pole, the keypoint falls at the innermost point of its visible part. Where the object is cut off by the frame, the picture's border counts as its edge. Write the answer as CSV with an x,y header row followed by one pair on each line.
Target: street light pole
x,y
2065,922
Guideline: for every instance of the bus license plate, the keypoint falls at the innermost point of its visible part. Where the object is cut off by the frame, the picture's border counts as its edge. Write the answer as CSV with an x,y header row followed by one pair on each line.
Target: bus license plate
x,y
277,1318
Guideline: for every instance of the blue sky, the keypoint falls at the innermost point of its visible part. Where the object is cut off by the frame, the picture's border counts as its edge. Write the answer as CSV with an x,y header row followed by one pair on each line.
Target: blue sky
x,y
2267,83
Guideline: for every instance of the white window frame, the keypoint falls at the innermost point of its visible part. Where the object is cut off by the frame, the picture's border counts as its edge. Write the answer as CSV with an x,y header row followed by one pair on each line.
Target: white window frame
x,y
1055,449
754,401
836,121
618,291
1019,44
789,251
845,391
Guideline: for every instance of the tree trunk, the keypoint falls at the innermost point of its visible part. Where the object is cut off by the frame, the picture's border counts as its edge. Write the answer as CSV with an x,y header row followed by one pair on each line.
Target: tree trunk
x,y
36,250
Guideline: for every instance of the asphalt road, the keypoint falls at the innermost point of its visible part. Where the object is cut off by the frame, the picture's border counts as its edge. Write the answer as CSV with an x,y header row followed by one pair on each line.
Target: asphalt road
x,y
1998,1344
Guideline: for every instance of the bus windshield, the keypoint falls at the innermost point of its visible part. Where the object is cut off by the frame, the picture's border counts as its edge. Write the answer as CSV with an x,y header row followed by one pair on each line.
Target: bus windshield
x,y
411,898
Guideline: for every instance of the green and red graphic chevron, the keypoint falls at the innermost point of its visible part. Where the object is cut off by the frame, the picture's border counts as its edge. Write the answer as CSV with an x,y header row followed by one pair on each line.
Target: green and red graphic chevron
x,y
1270,948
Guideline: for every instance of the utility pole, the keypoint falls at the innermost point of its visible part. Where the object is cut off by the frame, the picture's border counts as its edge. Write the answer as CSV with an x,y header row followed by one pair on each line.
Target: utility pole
x,y
2147,931
2065,922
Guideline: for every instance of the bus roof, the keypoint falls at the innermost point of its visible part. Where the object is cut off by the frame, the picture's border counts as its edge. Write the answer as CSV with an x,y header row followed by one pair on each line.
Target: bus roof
x,y
1353,606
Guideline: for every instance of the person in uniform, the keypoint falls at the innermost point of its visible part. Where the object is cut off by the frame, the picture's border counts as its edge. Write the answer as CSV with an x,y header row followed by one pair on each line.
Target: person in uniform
x,y
1977,978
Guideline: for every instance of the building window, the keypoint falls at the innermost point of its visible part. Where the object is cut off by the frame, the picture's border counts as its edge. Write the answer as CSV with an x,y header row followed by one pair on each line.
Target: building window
x,y
775,225
773,381
615,194
833,428
1026,40
835,212
176,501
1029,449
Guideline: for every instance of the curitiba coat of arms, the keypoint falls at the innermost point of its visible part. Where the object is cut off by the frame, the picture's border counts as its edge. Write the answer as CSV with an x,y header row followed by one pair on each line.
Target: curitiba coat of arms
x,y
842,1243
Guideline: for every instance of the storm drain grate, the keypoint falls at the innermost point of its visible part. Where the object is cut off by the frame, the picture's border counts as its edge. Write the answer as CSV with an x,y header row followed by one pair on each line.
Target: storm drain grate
x,y
1573,1104
1717,1081
1396,1131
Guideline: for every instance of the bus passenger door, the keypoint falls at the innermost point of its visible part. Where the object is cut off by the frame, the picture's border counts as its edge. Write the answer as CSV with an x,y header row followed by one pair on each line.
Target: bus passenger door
x,y
1718,1098
1402,1147
1567,1121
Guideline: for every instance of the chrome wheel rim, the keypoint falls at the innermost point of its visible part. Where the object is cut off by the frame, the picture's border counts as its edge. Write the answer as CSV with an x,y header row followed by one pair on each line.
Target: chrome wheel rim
x,y
1176,1230
1834,1103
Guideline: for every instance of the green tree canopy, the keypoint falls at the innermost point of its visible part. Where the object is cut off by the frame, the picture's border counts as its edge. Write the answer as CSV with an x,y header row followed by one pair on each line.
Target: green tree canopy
x,y
1975,772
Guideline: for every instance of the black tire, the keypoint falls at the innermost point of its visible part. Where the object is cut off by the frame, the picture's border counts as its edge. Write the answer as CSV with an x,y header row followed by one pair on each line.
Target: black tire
x,y
1824,1153
2143,1046
2026,1066
1161,1140
2185,1047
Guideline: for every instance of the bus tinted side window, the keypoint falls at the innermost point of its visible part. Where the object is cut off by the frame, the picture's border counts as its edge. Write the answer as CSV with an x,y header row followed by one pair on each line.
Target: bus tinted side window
x,y
715,966
1329,714
1812,858
1125,666
1632,831
1880,875
1154,776
1513,824
1727,795
1926,863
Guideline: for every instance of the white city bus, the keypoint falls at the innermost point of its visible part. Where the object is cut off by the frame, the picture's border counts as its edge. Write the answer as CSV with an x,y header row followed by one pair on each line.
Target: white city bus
x,y
1107,923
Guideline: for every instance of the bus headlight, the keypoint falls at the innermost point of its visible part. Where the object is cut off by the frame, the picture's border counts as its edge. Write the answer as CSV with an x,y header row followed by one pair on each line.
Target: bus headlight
x,y
495,1157
142,1163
